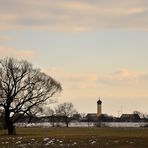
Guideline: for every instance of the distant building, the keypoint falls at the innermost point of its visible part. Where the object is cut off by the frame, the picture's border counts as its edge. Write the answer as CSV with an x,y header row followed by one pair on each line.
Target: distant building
x,y
93,117
130,118
105,118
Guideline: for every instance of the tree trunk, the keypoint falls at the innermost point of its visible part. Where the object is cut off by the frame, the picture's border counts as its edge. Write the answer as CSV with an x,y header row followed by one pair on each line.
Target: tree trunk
x,y
67,123
53,120
9,124
11,129
53,124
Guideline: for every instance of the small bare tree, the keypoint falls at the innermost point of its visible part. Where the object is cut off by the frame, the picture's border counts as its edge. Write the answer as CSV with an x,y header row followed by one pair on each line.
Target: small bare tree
x,y
23,90
66,110
51,113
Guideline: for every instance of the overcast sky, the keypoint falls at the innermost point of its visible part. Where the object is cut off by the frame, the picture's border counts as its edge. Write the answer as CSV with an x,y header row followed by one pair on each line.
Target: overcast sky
x,y
93,47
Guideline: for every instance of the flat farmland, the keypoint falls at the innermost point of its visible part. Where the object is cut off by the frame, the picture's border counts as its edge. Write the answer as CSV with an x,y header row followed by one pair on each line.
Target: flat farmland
x,y
76,138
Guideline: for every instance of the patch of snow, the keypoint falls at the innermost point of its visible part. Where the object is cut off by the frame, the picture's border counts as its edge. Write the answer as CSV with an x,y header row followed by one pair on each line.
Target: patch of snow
x,y
85,124
75,143
93,142
50,142
45,139
20,138
116,141
22,146
123,124
47,143
18,142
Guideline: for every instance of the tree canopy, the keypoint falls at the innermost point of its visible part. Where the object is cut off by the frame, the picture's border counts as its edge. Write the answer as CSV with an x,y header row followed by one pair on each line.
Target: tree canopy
x,y
66,110
23,90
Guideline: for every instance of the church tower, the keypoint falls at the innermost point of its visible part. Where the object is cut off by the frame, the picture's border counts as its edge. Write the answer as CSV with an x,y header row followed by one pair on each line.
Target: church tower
x,y
99,107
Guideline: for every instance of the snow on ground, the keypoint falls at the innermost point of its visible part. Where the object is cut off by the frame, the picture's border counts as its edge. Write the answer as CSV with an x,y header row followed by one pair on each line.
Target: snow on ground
x,y
85,124
125,124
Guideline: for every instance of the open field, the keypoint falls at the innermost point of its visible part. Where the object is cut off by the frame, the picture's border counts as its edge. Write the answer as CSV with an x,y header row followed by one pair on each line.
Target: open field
x,y
76,138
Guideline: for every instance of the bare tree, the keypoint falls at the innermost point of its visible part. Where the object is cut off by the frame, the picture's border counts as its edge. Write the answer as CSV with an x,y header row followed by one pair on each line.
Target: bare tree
x,y
141,115
51,113
66,110
23,90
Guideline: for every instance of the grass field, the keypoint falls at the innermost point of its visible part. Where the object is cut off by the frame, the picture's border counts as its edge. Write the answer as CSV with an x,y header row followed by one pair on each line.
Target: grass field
x,y
76,138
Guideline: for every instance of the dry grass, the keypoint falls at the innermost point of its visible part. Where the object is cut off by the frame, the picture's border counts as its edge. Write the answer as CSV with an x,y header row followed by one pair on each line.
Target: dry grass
x,y
76,138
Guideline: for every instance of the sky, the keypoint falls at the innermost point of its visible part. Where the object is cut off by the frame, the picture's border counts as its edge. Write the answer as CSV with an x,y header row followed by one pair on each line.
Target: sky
x,y
92,47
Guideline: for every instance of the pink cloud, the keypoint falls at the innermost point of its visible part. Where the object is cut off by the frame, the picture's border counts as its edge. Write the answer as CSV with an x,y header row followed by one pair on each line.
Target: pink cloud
x,y
5,38
91,80
127,76
74,16
124,82
11,52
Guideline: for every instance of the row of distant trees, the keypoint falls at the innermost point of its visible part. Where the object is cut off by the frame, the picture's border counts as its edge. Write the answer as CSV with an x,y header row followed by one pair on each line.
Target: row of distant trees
x,y
64,112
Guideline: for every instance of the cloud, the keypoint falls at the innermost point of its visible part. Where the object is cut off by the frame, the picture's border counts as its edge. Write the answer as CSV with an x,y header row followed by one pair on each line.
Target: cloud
x,y
124,77
10,52
74,79
5,38
122,84
75,16
120,78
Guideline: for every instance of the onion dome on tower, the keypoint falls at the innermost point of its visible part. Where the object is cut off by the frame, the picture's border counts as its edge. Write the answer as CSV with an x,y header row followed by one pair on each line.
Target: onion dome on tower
x,y
99,102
